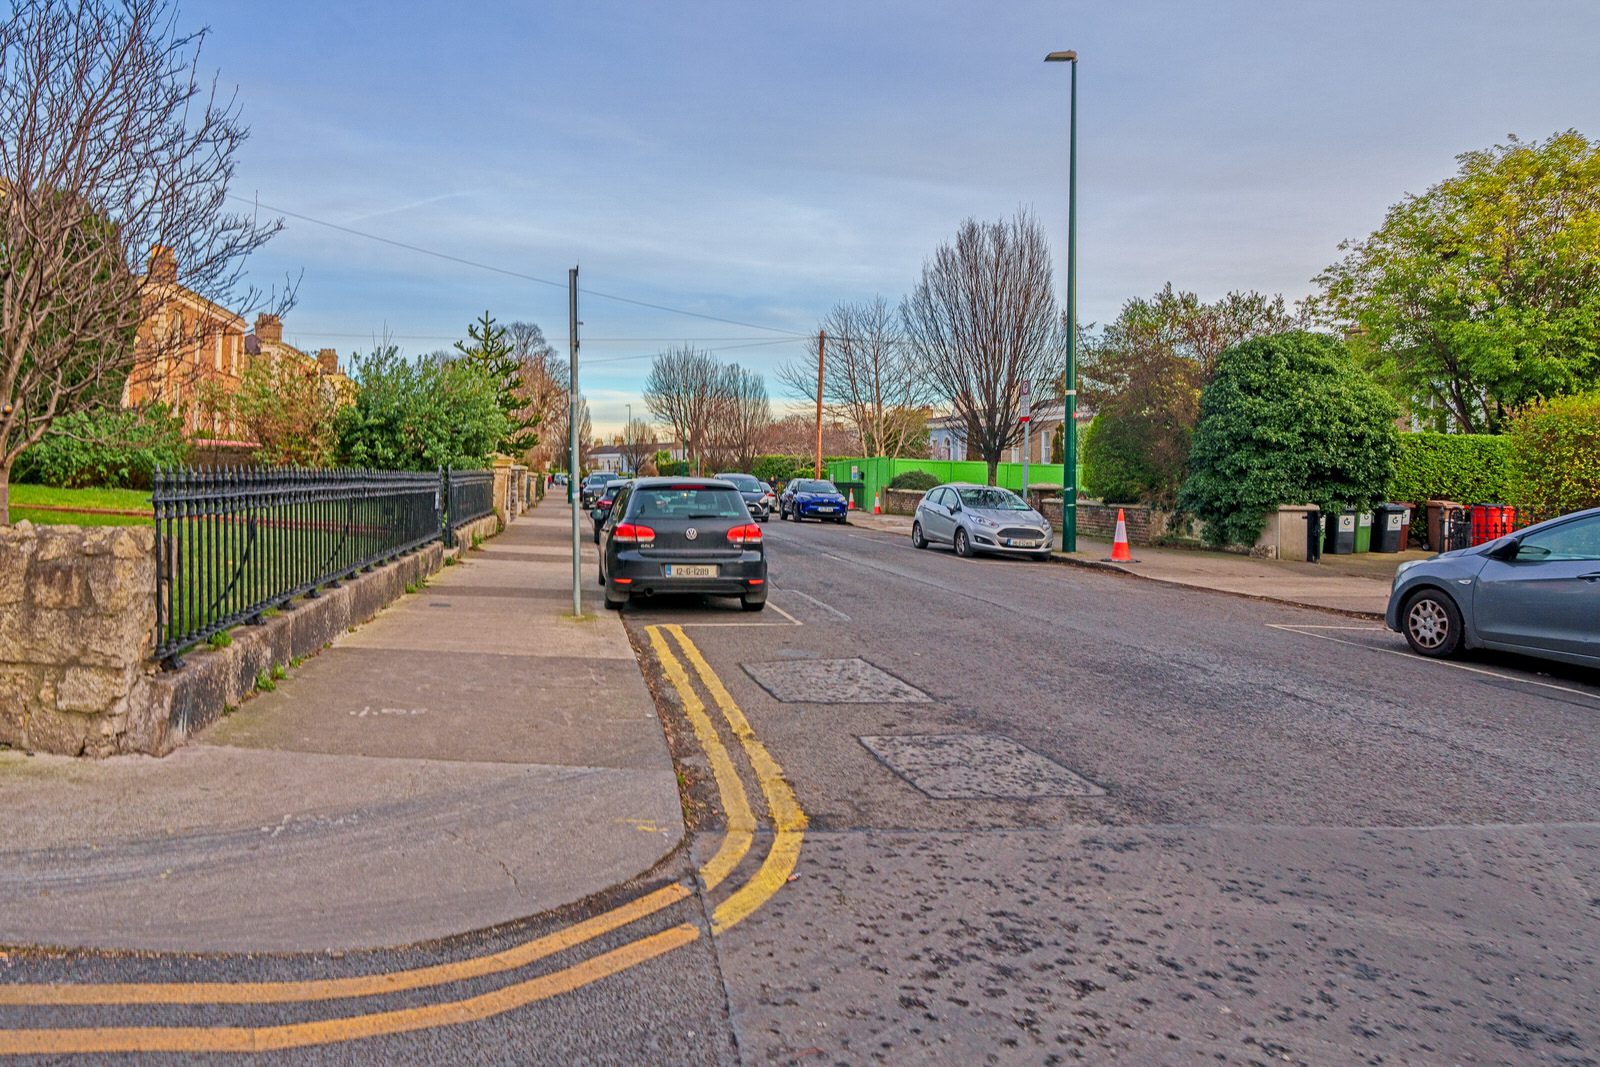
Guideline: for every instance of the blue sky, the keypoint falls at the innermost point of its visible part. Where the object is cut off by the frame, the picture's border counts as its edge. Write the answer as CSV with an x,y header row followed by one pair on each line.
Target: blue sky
x,y
761,161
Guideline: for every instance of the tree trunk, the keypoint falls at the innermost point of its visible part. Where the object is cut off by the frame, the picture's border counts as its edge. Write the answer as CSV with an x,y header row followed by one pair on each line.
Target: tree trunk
x,y
5,494
994,467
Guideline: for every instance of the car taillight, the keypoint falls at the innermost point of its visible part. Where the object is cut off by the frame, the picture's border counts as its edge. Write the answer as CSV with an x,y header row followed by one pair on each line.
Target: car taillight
x,y
628,533
748,534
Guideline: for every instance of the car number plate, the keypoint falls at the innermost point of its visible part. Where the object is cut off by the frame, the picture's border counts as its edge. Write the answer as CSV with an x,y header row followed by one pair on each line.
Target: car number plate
x,y
1022,542
825,507
691,570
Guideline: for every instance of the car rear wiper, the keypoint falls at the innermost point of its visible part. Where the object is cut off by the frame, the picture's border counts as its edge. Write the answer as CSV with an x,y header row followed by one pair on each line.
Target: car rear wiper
x,y
709,515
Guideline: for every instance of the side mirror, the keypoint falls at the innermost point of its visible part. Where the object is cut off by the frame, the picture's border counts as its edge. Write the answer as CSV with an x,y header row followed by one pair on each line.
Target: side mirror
x,y
597,514
1506,549
955,507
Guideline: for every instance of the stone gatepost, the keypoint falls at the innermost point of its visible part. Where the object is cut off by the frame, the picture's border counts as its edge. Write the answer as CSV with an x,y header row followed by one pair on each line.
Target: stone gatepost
x,y
502,488
77,629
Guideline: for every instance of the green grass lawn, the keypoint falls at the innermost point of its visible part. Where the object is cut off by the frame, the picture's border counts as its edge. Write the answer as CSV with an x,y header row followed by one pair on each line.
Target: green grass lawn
x,y
125,499
23,497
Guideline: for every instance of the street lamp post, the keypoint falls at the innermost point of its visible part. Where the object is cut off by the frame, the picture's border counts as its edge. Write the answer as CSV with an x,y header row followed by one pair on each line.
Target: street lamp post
x,y
1069,429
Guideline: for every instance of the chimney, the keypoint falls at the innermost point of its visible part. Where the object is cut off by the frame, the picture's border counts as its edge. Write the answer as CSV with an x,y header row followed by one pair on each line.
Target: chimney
x,y
163,264
328,360
269,329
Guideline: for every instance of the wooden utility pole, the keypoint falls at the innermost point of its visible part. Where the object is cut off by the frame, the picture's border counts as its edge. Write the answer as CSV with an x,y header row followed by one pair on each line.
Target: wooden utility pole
x,y
822,346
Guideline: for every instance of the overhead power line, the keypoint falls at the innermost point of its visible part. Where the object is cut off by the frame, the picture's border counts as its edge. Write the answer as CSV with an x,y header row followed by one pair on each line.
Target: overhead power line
x,y
420,250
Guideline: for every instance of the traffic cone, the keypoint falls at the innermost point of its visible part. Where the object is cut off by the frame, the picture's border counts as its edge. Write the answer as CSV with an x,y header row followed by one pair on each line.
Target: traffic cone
x,y
1119,545
852,500
877,505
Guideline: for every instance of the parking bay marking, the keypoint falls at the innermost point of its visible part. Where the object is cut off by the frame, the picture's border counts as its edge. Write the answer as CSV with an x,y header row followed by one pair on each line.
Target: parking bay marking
x,y
783,809
1303,631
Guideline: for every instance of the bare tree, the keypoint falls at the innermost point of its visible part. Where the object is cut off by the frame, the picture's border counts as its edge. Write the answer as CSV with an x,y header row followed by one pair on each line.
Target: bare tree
x,y
111,149
741,414
558,435
682,391
542,385
639,443
871,377
982,321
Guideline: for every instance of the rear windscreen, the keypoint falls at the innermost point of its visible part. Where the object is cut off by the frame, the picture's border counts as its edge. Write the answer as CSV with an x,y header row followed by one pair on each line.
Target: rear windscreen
x,y
687,503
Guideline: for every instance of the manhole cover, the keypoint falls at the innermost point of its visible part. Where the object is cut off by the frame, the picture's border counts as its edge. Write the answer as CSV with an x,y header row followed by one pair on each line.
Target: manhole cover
x,y
833,681
977,766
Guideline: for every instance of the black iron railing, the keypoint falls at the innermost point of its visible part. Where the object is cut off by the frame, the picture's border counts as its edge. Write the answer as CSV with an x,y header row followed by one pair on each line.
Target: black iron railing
x,y
468,495
232,545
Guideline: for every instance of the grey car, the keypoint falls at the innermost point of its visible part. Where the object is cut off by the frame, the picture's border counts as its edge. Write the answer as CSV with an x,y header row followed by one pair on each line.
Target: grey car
x,y
758,496
1536,592
980,518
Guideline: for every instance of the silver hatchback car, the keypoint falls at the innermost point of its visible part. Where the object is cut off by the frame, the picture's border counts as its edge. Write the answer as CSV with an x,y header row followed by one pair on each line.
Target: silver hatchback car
x,y
980,518
1536,592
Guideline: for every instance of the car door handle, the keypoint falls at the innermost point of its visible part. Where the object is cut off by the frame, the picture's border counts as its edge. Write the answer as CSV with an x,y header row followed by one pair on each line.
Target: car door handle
x,y
1592,576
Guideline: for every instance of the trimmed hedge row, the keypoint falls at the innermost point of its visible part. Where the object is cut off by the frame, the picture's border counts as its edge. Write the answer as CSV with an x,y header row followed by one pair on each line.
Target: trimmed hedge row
x,y
1555,457
1466,468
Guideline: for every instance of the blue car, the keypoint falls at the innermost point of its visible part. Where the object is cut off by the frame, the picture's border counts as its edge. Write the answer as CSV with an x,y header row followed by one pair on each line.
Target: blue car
x,y
1536,592
809,498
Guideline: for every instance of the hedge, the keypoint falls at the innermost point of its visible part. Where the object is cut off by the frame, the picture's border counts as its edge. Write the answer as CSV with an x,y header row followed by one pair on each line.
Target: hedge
x,y
920,481
1466,468
1554,463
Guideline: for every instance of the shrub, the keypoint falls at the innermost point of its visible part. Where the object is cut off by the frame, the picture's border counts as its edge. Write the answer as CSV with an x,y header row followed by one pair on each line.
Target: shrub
x,y
921,481
771,469
1554,465
1114,468
675,468
419,415
1469,468
1288,419
108,449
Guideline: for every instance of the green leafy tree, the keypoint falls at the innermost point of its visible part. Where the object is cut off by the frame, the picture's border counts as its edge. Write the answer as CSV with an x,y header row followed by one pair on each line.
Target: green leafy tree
x,y
1114,465
1288,419
419,415
490,349
1482,294
1555,456
1145,371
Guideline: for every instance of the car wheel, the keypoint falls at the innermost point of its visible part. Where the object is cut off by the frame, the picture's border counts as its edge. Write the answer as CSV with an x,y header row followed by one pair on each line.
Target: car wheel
x,y
963,543
1432,624
917,540
1042,556
615,604
842,519
752,605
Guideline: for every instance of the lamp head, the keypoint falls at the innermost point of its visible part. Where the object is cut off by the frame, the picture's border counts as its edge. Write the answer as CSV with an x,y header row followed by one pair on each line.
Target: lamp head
x,y
1061,57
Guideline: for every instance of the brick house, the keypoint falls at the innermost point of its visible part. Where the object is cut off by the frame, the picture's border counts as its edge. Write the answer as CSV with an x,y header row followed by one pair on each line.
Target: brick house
x,y
189,350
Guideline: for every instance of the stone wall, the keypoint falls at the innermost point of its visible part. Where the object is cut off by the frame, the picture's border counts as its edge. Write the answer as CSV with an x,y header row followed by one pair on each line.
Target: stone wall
x,y
77,627
901,501
1098,522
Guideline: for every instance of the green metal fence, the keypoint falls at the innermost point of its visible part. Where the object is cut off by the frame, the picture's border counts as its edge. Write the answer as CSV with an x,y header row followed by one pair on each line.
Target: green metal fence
x,y
877,471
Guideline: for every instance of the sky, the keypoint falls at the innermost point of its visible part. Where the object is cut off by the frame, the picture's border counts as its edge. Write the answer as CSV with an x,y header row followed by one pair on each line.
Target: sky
x,y
759,162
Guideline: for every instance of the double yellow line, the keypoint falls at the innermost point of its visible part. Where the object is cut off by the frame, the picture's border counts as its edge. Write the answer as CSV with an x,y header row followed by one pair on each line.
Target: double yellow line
x,y
788,822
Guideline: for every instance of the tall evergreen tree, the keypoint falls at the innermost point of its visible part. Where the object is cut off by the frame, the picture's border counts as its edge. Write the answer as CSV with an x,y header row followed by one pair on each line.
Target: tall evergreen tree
x,y
488,347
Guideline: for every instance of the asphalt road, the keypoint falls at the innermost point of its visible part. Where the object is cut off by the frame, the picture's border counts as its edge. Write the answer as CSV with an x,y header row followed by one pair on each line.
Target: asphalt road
x,y
1052,815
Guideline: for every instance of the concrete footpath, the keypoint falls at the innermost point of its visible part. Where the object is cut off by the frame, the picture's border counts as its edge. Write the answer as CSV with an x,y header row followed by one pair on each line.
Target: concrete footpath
x,y
1353,584
470,756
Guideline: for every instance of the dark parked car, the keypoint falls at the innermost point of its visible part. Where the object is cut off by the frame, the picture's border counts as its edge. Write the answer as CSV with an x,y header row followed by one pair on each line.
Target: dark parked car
x,y
1536,592
758,496
603,502
980,518
810,498
589,491
682,535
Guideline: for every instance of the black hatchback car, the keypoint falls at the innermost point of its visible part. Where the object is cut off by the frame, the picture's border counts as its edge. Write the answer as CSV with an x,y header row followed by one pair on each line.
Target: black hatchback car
x,y
682,535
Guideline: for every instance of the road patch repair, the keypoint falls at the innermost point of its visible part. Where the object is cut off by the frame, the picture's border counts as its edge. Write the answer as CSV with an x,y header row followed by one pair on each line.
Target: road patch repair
x,y
976,767
781,825
833,681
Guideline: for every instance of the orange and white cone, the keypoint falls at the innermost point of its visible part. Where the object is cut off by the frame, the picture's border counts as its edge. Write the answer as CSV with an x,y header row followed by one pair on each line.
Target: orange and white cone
x,y
852,506
1120,552
877,503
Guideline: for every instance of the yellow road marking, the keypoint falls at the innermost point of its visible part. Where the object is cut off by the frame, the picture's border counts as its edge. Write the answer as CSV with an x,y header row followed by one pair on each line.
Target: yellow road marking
x,y
788,820
335,988
735,802
327,1031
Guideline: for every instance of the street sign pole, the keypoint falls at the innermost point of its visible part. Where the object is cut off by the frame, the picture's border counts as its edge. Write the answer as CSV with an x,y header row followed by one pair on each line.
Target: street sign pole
x,y
575,452
1027,434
